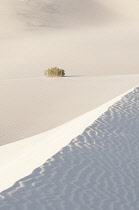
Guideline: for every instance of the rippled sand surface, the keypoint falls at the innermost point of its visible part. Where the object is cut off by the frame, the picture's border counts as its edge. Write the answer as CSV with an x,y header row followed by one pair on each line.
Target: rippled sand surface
x,y
97,170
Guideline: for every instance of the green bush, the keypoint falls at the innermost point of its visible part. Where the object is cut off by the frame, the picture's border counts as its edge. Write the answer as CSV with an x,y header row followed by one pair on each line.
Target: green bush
x,y
54,72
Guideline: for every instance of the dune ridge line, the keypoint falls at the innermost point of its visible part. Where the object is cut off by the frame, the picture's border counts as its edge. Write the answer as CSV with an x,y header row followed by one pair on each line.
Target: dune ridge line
x,y
19,159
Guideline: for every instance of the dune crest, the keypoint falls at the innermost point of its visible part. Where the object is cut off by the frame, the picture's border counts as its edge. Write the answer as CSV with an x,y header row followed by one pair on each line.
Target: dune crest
x,y
98,169
37,149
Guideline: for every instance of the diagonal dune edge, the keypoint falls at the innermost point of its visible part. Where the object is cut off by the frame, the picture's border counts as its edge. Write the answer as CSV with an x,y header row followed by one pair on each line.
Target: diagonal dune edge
x,y
19,159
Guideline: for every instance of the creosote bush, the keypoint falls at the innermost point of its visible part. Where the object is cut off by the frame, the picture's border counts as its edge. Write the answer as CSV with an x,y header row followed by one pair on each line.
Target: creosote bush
x,y
54,72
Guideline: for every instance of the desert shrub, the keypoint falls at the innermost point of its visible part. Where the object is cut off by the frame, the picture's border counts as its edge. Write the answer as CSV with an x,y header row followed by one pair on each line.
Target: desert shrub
x,y
54,72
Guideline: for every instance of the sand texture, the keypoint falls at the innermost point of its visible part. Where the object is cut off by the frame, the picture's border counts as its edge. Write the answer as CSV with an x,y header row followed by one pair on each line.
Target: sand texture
x,y
92,37
69,143
32,106
97,170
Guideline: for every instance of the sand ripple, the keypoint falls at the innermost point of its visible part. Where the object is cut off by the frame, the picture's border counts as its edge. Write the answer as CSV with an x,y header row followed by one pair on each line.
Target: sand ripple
x,y
98,170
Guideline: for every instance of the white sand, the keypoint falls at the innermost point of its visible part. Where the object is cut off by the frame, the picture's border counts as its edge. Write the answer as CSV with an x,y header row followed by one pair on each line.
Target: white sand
x,y
97,170
19,159
84,38
101,38
86,51
32,106
78,38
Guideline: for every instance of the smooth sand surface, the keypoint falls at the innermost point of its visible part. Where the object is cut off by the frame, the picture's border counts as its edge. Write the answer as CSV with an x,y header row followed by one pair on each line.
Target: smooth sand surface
x,y
32,106
85,51
97,170
83,37
20,158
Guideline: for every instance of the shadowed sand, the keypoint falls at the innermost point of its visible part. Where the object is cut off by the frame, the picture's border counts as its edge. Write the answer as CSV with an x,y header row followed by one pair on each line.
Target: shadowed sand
x,y
97,170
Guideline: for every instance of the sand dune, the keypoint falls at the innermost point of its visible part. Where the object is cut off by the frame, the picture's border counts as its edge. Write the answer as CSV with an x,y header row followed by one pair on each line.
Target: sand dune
x,y
86,51
91,40
97,38
32,106
56,14
42,146
39,14
97,170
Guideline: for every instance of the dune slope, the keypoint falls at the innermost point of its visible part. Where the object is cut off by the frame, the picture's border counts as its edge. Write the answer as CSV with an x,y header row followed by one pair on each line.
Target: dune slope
x,y
83,37
98,169
32,106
